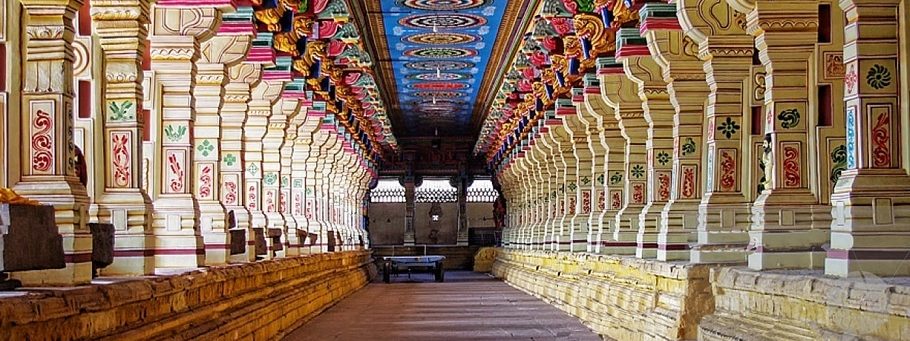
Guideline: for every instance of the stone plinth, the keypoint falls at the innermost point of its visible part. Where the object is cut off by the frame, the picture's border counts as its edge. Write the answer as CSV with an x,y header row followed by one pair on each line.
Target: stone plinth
x,y
261,301
29,238
621,298
805,305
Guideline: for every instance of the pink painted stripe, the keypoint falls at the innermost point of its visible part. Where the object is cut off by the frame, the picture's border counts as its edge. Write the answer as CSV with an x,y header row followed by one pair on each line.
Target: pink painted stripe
x,y
592,90
657,24
237,29
610,71
633,51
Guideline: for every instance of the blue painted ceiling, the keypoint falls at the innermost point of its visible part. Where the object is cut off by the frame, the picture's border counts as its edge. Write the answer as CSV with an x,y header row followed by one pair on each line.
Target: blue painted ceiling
x,y
439,51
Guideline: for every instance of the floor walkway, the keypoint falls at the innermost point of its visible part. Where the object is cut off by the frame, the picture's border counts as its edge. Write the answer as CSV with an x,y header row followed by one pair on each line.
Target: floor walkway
x,y
468,306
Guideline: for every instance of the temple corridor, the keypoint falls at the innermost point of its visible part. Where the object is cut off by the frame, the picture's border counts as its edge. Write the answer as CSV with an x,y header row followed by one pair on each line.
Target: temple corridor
x,y
467,306
712,170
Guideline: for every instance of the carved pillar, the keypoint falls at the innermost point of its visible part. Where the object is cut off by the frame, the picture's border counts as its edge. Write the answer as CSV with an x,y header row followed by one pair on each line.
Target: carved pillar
x,y
124,202
579,187
303,152
327,157
263,98
548,181
870,202
462,237
289,150
677,56
46,135
622,94
217,55
610,201
314,154
592,202
242,78
726,49
788,226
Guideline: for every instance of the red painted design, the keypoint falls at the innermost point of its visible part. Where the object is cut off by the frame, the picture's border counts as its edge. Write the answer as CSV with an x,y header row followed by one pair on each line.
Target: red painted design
x,y
727,171
616,202
298,204
602,201
230,193
309,209
269,201
850,79
572,203
120,158
792,176
175,167
586,202
253,195
881,140
282,203
688,185
42,142
205,182
711,128
638,193
663,193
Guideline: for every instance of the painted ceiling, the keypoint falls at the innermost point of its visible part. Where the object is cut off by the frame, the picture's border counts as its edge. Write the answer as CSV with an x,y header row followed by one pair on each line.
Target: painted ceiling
x,y
439,51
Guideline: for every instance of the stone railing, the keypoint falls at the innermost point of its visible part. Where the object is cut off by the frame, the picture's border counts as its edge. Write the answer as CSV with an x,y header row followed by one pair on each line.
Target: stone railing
x,y
261,300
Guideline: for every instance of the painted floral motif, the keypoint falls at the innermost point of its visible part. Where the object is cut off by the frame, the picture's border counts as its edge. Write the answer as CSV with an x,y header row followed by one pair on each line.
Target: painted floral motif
x,y
878,77
838,162
42,142
728,128
285,181
789,118
309,209
616,178
230,159
850,79
638,193
230,193
792,176
638,171
688,183
121,111
174,133
602,201
851,137
298,183
572,203
834,65
298,204
177,173
881,136
282,203
253,195
727,171
205,182
252,169
270,201
205,148
663,158
120,158
663,192
586,202
572,186
688,147
585,180
616,201
600,179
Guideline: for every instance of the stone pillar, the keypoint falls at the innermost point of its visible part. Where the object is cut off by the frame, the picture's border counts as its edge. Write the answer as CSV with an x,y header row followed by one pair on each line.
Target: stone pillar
x,y
462,238
622,94
271,172
409,188
548,182
614,159
327,156
303,152
677,56
242,78
788,226
217,55
659,114
581,185
46,136
871,202
595,202
726,49
124,202
175,47
314,154
263,98
288,151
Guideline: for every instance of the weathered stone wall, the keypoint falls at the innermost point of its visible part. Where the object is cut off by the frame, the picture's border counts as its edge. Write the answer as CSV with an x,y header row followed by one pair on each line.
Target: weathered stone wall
x,y
259,301
620,298
806,306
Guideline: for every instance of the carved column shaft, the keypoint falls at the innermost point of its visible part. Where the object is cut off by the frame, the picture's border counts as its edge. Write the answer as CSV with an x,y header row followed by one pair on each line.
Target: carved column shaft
x,y
243,77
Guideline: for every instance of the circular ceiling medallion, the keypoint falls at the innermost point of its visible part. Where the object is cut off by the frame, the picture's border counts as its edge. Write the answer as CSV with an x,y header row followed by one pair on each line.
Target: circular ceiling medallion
x,y
438,86
443,21
444,65
442,76
440,52
434,38
437,94
445,5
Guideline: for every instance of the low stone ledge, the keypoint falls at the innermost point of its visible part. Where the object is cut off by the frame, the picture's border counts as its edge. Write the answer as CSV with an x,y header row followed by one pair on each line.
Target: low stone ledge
x,y
258,300
797,305
620,298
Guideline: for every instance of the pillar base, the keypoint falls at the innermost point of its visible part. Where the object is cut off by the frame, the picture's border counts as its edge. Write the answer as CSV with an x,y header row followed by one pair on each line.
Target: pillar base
x,y
722,234
134,254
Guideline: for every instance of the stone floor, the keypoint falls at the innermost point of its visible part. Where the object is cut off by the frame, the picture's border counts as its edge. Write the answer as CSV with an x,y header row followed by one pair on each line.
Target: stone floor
x,y
467,306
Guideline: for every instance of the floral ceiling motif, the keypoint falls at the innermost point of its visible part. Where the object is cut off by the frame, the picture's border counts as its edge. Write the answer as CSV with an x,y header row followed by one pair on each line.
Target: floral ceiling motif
x,y
439,51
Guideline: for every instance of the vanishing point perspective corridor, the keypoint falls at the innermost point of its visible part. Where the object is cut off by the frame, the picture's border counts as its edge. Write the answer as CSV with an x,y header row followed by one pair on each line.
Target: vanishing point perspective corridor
x,y
712,170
